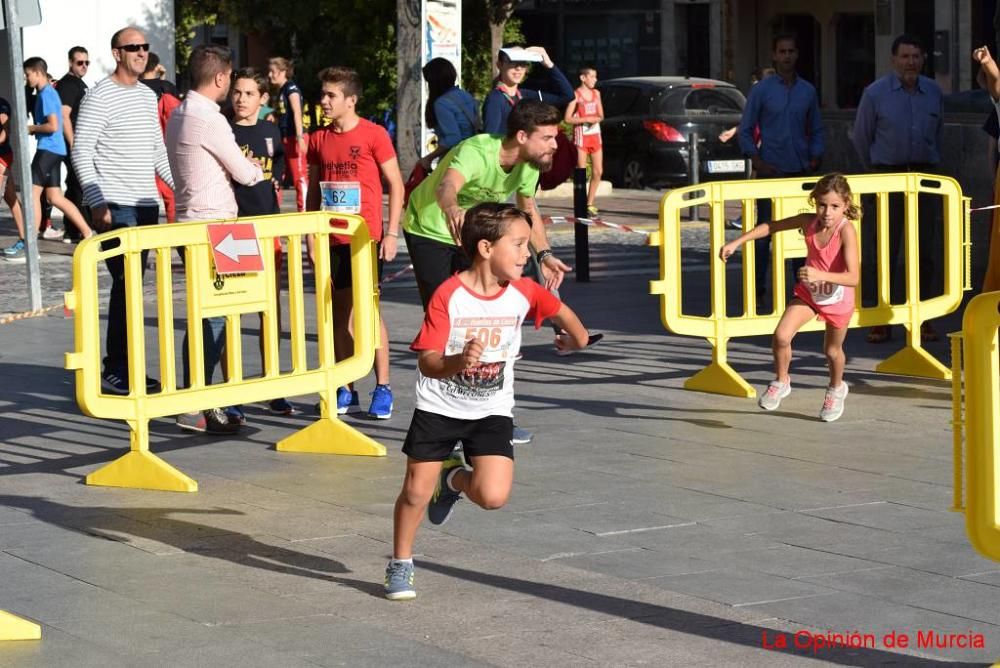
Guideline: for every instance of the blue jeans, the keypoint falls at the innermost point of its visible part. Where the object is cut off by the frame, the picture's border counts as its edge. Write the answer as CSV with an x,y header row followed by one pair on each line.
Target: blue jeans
x,y
213,331
116,343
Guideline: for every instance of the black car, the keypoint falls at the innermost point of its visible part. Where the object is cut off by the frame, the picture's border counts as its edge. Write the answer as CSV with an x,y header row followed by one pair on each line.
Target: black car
x,y
646,125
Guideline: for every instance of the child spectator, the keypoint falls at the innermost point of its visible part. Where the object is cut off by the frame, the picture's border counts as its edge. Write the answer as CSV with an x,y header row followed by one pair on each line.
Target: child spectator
x,y
349,158
507,92
825,288
585,113
290,122
465,383
14,253
260,141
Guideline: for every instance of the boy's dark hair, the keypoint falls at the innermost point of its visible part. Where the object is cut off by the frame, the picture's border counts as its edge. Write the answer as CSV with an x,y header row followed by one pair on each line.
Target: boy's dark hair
x,y
784,37
152,62
909,40
488,221
36,64
250,73
586,68
75,50
208,60
349,80
528,115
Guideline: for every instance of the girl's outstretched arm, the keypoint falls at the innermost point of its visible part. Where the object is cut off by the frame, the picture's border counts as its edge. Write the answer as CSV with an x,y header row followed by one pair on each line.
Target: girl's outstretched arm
x,y
763,230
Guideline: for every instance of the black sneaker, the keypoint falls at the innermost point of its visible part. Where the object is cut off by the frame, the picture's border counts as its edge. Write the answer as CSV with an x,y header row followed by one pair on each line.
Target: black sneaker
x,y
217,422
114,383
443,501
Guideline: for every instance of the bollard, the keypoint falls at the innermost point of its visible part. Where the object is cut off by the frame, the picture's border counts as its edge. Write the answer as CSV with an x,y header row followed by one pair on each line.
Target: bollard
x,y
693,168
580,231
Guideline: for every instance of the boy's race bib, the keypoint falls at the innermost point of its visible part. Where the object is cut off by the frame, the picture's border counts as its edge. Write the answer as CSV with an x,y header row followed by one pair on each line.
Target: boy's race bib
x,y
824,293
495,333
341,196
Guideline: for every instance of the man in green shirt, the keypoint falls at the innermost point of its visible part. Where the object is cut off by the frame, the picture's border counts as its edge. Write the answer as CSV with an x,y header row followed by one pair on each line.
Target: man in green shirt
x,y
484,168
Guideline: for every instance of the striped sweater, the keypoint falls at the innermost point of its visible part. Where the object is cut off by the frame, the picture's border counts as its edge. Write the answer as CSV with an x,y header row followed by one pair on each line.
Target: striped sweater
x,y
118,146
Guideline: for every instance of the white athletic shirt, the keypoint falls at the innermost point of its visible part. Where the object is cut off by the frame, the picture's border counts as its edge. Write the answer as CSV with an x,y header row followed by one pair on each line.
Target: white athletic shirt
x,y
454,315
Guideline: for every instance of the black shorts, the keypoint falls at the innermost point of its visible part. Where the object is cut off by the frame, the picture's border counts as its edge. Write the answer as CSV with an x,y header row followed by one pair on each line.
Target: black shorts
x,y
340,265
46,169
433,263
432,437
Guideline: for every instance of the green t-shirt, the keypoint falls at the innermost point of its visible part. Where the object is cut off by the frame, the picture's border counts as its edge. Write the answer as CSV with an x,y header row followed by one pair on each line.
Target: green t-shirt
x,y
478,160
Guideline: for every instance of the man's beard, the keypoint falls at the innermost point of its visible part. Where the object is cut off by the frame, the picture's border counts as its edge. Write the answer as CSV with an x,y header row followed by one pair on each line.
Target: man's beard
x,y
542,164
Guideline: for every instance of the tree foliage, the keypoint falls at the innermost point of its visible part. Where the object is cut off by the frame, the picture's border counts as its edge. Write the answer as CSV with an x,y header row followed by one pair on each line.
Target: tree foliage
x,y
356,33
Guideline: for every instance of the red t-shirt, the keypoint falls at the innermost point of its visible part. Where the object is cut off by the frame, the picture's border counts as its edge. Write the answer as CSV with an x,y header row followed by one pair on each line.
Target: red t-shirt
x,y
354,156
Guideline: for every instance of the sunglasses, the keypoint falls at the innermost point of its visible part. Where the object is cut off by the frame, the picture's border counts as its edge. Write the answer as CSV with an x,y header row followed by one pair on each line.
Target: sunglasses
x,y
519,63
132,48
82,62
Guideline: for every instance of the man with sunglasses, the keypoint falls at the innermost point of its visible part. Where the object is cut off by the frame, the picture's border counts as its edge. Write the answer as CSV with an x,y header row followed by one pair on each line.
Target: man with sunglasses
x,y
71,89
117,151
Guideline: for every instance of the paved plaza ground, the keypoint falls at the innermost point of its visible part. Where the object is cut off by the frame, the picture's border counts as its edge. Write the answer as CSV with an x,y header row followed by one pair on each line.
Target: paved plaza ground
x,y
648,525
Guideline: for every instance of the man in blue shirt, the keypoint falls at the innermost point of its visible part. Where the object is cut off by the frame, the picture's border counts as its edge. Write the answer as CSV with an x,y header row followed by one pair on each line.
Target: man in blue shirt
x,y
898,128
46,172
785,109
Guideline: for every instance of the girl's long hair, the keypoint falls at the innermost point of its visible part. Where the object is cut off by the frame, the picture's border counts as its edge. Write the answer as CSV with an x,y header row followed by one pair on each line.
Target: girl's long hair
x,y
836,183
440,76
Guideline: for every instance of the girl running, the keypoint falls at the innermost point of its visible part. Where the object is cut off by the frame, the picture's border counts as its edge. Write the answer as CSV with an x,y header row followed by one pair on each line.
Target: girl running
x,y
825,288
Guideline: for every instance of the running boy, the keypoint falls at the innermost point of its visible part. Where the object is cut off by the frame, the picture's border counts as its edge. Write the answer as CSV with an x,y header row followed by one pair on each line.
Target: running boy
x,y
261,141
585,113
46,167
825,288
350,157
465,383
14,253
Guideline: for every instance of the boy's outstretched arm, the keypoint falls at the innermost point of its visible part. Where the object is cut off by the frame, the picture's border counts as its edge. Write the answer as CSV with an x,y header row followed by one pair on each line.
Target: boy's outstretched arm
x,y
575,335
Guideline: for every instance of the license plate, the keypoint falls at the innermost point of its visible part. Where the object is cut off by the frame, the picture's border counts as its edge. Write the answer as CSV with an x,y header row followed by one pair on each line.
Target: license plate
x,y
725,166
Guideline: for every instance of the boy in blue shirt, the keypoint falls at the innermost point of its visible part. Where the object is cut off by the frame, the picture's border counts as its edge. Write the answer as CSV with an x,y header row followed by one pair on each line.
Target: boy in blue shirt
x,y
46,167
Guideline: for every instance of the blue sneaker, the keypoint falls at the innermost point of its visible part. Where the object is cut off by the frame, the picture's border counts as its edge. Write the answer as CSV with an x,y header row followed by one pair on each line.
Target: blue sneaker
x,y
443,501
381,408
347,401
399,581
282,407
235,414
15,253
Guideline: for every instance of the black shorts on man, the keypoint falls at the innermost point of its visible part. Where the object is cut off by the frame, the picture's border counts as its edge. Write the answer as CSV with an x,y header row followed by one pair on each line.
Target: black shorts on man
x,y
340,266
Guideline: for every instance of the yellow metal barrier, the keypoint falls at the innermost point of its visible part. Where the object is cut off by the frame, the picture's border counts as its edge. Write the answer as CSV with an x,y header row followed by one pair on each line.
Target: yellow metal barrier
x,y
790,197
13,627
982,424
209,294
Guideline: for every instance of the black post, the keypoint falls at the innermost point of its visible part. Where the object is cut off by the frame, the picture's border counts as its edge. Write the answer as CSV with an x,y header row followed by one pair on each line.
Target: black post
x,y
580,231
693,162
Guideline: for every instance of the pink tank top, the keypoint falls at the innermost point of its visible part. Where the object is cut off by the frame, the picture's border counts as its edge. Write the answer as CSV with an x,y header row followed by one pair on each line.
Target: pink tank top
x,y
830,297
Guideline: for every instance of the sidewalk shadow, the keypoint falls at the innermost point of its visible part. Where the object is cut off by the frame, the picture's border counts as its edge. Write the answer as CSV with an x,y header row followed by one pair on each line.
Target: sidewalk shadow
x,y
691,623
158,524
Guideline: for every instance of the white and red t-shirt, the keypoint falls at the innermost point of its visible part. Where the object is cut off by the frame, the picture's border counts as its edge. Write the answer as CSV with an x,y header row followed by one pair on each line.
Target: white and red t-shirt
x,y
353,158
454,315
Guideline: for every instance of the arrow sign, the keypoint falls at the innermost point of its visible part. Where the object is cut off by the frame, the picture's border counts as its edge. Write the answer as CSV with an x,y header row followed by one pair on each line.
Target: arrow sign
x,y
235,248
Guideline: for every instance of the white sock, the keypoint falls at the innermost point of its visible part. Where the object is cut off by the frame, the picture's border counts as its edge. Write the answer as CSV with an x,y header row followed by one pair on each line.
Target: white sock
x,y
401,561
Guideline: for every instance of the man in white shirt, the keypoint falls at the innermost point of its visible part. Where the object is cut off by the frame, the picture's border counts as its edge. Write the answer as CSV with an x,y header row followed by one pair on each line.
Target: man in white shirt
x,y
205,159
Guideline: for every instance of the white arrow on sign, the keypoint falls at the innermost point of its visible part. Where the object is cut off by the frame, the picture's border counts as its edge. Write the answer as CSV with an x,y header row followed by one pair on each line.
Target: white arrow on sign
x,y
234,248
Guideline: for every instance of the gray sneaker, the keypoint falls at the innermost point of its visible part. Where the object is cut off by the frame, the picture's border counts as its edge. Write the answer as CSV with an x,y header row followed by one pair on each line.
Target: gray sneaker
x,y
772,396
399,581
521,436
443,501
15,253
833,403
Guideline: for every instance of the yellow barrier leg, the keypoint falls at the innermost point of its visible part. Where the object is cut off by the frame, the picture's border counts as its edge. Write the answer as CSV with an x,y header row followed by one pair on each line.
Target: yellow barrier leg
x,y
13,627
331,436
720,378
141,469
913,360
